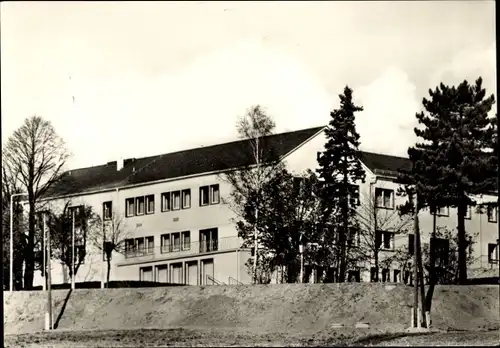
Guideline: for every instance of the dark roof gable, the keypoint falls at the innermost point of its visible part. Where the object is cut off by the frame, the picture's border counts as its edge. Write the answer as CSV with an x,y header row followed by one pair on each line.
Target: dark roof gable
x,y
385,163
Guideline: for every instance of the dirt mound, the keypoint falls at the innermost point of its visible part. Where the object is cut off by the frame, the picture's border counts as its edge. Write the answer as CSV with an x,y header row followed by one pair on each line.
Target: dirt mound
x,y
260,308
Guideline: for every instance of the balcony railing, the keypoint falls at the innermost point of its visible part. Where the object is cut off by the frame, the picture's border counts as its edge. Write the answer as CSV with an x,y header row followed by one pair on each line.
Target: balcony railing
x,y
183,249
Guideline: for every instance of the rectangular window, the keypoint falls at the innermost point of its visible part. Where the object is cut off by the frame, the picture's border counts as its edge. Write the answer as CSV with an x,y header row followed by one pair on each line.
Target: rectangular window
x,y
209,240
141,246
204,195
440,247
186,240
165,202
129,248
468,212
165,243
150,204
443,211
214,194
176,200
176,241
386,275
139,206
150,245
186,199
355,195
411,243
384,240
396,276
384,198
493,253
373,274
107,210
130,210
492,213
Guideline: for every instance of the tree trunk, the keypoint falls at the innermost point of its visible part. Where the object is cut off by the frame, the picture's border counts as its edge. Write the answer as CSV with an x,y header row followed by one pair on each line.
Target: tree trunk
x,y
375,254
108,271
416,238
29,258
421,279
462,245
432,267
256,247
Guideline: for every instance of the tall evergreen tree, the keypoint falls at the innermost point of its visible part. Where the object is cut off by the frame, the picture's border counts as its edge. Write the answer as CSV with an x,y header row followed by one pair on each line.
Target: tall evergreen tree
x,y
340,167
455,158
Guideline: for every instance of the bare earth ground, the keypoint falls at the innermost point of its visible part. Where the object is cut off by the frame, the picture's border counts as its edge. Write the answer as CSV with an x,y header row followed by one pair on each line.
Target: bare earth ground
x,y
220,338
259,315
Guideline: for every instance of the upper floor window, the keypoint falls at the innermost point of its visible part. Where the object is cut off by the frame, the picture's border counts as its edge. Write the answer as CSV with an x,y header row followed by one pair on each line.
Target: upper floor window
x,y
165,201
493,253
443,211
468,211
139,206
214,193
186,199
209,195
150,204
176,200
107,210
129,207
355,195
384,198
492,213
384,240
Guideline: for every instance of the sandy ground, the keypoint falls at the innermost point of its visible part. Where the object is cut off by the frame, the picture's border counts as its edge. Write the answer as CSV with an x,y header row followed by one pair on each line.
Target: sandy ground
x,y
262,309
221,338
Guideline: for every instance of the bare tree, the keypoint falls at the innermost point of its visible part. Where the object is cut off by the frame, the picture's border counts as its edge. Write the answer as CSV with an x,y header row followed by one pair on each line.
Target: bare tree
x,y
110,237
37,154
378,230
247,181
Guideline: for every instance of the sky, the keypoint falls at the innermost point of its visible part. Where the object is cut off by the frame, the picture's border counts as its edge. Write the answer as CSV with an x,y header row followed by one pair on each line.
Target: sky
x,y
156,77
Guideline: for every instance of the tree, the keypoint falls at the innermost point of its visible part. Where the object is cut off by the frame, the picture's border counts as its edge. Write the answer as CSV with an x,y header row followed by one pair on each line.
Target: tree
x,y
456,156
11,186
37,154
288,213
110,236
340,167
86,222
374,225
247,182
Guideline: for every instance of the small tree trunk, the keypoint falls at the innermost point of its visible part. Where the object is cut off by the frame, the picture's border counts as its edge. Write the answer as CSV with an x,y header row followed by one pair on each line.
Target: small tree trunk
x,y
415,263
462,245
29,270
256,247
108,271
375,254
421,280
432,266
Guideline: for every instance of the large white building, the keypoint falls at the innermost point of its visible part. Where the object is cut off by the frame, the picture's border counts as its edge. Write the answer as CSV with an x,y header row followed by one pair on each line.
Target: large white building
x,y
181,231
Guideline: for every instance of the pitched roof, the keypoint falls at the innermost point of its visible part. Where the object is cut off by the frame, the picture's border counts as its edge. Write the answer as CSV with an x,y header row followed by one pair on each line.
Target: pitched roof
x,y
385,164
177,164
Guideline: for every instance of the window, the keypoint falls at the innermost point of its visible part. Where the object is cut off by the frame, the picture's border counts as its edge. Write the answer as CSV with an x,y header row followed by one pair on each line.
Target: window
x,y
165,201
139,205
80,254
176,200
468,212
150,245
493,253
355,195
129,248
214,193
146,274
373,274
384,198
411,243
492,213
397,276
443,211
186,240
208,240
129,203
384,240
386,273
165,243
204,192
150,204
140,246
186,199
440,247
176,241
106,210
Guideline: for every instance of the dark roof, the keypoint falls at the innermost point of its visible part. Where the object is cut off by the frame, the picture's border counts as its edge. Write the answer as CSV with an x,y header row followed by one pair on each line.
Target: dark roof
x,y
172,165
385,164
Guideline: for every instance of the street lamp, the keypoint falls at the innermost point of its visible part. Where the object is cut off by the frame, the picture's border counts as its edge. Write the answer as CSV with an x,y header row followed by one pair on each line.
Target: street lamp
x,y
11,261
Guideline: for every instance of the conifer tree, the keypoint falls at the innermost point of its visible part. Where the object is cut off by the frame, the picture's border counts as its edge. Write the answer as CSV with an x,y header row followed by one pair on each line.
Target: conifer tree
x,y
339,168
455,158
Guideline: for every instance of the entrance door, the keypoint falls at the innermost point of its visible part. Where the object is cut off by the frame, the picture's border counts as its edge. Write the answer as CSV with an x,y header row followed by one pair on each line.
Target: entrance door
x,y
208,271
192,273
162,274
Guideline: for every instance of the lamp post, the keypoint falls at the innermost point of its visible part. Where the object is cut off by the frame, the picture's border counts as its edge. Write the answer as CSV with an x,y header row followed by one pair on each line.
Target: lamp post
x,y
73,250
11,242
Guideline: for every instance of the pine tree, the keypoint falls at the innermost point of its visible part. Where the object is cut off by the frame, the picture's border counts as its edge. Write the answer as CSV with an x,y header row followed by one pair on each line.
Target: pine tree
x,y
340,167
455,158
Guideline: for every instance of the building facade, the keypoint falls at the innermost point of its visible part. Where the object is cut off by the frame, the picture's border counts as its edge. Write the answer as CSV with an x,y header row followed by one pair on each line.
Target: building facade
x,y
177,226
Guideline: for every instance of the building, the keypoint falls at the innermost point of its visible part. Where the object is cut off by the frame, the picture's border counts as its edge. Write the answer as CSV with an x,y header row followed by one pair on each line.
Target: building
x,y
182,231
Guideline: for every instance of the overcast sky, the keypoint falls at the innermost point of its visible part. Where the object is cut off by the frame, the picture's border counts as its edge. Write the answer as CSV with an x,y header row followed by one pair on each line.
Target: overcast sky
x,y
150,78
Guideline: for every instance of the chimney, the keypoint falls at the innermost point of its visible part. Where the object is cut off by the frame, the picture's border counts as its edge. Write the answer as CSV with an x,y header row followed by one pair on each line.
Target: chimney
x,y
119,164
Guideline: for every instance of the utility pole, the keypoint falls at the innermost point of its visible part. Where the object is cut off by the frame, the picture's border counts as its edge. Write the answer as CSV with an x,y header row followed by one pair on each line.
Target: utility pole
x,y
416,236
48,314
73,249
